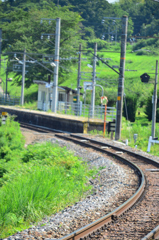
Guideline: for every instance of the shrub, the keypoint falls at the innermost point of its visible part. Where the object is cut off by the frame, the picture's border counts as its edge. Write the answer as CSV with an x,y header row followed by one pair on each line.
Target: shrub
x,y
142,52
11,139
140,44
149,105
130,107
48,179
143,43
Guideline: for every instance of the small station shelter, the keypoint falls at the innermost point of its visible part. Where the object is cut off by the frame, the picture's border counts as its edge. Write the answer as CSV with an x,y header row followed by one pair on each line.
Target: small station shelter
x,y
45,89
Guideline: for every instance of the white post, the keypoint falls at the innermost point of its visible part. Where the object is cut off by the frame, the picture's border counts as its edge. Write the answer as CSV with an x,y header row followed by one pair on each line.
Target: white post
x,y
57,48
94,81
149,144
23,79
154,103
78,80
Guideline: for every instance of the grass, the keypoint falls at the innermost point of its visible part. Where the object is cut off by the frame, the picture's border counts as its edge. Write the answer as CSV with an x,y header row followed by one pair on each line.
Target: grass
x,y
133,84
45,178
39,181
42,192
141,127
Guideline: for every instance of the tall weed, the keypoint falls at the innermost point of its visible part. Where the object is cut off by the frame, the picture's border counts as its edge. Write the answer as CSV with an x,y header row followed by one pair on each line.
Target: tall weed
x,y
11,139
141,127
47,179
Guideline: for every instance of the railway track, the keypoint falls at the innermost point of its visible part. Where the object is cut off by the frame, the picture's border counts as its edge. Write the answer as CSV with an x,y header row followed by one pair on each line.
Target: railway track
x,y
138,217
39,128
135,219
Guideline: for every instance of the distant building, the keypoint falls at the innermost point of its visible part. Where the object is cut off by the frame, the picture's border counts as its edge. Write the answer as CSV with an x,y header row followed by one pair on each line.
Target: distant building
x,y
65,95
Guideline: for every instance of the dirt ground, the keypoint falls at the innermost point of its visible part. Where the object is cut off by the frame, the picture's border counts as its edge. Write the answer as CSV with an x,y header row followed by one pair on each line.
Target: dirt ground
x,y
31,136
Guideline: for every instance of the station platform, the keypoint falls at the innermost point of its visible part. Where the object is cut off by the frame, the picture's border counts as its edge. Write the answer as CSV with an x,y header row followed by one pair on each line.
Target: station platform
x,y
63,122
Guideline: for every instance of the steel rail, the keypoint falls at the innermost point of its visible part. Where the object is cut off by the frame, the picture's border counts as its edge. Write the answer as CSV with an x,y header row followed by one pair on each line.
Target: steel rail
x,y
103,221
153,234
148,160
92,227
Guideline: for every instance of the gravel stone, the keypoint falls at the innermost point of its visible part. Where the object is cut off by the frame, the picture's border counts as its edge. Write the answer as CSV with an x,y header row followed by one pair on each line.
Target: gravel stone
x,y
112,181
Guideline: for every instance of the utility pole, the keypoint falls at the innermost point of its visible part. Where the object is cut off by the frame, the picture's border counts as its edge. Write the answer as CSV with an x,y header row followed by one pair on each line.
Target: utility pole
x,y
78,79
154,103
94,81
116,38
121,78
114,24
56,69
108,34
23,79
6,82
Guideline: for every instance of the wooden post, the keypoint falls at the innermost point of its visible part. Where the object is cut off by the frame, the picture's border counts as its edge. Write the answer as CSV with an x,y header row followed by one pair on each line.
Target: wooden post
x,y
104,101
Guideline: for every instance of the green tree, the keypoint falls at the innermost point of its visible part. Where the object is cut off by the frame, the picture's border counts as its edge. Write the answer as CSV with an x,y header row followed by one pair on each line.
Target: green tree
x,y
24,31
142,12
150,29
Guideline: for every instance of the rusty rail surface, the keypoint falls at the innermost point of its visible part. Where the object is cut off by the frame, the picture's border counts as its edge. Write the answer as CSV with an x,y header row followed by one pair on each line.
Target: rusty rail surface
x,y
88,229
154,234
103,221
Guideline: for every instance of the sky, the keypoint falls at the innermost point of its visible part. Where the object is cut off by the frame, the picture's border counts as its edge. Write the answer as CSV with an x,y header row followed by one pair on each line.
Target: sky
x,y
111,1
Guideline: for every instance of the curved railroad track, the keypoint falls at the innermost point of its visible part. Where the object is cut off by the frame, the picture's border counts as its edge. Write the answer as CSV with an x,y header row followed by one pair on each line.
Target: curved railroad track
x,y
137,218
39,128
128,221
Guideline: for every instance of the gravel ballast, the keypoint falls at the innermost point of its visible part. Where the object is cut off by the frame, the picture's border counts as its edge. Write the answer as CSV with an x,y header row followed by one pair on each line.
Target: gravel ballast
x,y
112,183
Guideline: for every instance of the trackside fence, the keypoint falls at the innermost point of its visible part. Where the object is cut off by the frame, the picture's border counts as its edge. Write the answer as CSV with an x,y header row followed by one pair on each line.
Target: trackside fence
x,y
70,108
85,110
9,100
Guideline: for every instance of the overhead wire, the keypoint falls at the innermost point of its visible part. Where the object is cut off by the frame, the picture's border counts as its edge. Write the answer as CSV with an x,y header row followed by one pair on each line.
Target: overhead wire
x,y
105,63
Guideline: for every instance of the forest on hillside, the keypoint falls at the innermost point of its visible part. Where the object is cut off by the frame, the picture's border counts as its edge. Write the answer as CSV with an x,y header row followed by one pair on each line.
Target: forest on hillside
x,y
81,21
24,26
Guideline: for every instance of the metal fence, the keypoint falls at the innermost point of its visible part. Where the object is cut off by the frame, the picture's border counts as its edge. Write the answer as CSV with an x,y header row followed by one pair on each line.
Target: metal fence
x,y
70,108
85,110
9,100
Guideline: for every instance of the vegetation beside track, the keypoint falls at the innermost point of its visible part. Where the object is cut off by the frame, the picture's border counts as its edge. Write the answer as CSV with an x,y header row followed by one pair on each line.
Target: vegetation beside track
x,y
37,181
141,127
136,64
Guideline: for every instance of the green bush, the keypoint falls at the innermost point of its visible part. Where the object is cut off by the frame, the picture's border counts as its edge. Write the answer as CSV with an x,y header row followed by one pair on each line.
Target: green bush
x,y
142,52
130,107
11,139
140,44
2,171
149,106
144,43
48,179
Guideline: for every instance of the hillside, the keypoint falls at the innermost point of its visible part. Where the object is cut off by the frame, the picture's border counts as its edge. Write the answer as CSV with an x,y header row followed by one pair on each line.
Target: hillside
x,y
81,22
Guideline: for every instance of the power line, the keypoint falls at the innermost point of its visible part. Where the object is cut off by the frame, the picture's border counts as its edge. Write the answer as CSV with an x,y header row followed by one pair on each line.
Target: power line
x,y
105,63
99,51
